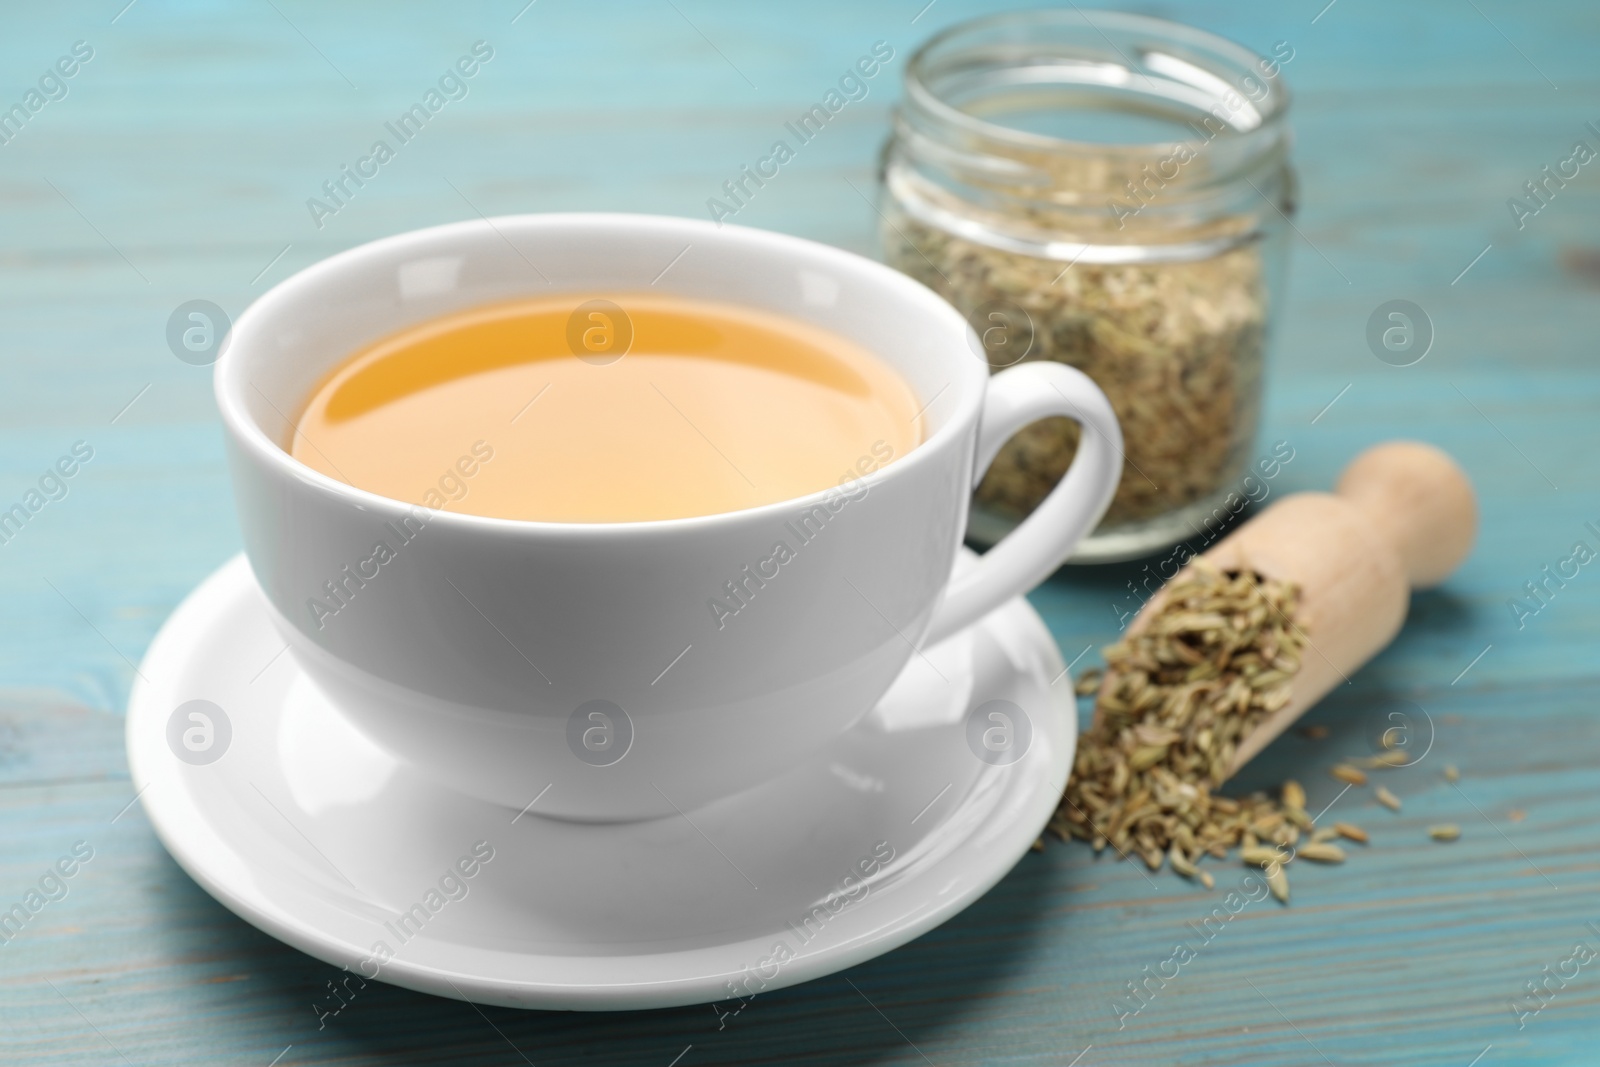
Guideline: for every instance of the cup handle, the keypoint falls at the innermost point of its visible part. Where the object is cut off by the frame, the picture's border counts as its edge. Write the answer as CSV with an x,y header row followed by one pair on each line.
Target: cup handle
x,y
1029,554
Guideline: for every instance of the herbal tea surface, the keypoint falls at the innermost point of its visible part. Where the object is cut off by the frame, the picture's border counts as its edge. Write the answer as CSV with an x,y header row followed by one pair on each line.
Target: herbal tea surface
x,y
615,407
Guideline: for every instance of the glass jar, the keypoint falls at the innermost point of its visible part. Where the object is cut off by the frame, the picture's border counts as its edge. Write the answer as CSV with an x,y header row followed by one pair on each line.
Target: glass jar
x,y
1113,192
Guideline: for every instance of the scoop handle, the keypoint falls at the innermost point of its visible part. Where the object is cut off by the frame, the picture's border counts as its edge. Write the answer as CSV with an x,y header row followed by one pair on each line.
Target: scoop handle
x,y
1402,517
1419,501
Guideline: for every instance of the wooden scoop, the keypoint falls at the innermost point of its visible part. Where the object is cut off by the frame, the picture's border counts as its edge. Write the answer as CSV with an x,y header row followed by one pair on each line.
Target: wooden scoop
x,y
1402,517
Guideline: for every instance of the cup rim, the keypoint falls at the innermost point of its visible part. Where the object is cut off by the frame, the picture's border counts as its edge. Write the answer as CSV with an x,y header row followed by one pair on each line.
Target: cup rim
x,y
230,378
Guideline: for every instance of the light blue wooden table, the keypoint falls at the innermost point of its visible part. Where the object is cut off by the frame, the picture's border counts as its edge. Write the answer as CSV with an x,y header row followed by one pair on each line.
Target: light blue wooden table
x,y
177,166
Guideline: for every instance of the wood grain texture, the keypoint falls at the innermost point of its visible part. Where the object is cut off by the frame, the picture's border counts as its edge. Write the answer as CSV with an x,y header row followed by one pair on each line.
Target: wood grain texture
x,y
177,167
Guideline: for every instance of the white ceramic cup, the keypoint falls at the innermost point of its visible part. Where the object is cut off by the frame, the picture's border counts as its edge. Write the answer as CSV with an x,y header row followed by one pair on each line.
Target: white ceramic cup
x,y
583,665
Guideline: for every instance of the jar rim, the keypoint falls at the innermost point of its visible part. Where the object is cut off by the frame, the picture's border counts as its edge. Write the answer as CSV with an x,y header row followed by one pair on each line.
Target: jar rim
x,y
1235,58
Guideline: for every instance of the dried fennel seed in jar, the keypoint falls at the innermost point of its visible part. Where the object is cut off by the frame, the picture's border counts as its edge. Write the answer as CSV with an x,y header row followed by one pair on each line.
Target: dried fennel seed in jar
x,y
1081,198
1176,346
1216,659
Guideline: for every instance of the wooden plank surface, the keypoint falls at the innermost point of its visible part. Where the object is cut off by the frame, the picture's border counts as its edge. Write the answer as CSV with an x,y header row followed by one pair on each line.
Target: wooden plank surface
x,y
177,167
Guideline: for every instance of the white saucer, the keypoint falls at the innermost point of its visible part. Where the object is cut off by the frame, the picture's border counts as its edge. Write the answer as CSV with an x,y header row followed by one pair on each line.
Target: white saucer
x,y
308,831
